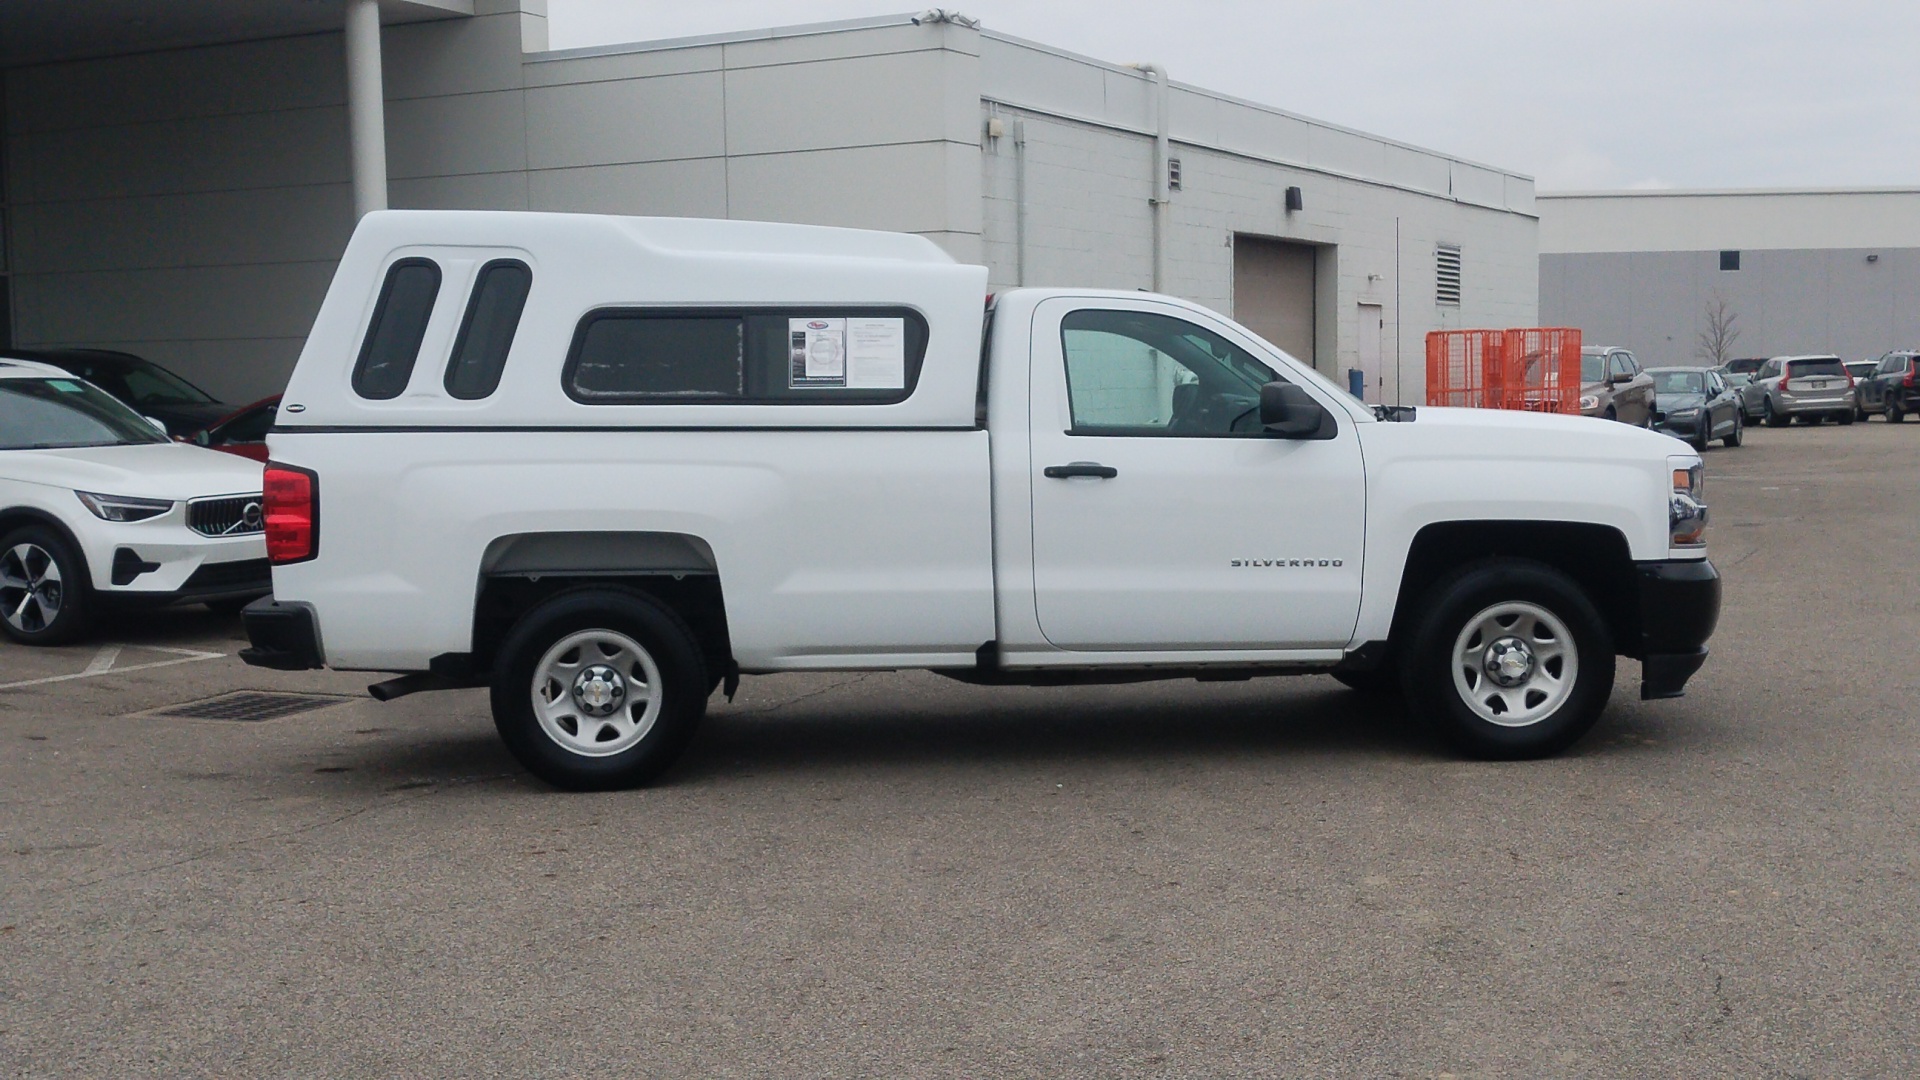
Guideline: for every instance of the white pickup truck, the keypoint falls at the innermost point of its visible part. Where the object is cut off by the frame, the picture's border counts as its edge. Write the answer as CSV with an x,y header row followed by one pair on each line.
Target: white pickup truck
x,y
607,465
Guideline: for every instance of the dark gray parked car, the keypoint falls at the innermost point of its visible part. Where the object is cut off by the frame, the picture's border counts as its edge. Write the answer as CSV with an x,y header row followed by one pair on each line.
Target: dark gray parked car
x,y
1891,390
1697,405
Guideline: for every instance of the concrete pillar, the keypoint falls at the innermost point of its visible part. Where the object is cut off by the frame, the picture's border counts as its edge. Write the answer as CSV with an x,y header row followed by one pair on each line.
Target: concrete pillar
x,y
366,108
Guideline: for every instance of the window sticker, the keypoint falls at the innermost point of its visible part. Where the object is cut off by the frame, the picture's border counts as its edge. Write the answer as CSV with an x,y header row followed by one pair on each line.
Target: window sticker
x,y
877,354
66,387
816,353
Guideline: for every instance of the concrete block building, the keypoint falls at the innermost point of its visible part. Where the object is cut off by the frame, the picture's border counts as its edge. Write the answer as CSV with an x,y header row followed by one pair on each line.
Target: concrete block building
x,y
183,190
1803,271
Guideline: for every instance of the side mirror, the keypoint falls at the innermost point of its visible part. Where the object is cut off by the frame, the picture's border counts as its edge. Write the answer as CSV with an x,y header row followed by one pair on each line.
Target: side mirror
x,y
1620,378
157,425
201,438
1288,412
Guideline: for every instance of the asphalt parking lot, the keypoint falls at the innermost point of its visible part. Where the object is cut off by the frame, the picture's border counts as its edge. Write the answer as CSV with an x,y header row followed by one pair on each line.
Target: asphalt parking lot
x,y
890,875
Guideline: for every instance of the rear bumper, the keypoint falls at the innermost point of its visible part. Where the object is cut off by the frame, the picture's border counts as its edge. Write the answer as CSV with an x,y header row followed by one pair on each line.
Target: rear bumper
x,y
281,636
1808,403
1679,608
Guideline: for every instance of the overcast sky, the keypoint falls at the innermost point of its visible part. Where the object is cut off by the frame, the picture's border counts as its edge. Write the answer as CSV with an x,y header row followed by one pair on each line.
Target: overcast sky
x,y
1594,94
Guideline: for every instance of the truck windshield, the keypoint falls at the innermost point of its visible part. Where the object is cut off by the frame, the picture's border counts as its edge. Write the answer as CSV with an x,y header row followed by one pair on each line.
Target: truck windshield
x,y
43,414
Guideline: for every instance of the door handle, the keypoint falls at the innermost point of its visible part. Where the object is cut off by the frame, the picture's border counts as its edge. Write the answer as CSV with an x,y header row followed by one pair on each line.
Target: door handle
x,y
1080,468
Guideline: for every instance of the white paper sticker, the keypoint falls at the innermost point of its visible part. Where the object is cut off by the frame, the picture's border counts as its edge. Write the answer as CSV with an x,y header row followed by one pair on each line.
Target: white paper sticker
x,y
877,354
817,352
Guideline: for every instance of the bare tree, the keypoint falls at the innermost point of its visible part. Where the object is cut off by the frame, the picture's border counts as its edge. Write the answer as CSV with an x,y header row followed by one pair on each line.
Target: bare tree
x,y
1716,341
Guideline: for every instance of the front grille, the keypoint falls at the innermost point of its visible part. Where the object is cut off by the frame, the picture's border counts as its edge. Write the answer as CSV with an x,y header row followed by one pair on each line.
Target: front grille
x,y
245,573
229,515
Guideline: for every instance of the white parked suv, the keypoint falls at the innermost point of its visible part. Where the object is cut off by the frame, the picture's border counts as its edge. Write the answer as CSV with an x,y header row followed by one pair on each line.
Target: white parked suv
x,y
606,466
100,510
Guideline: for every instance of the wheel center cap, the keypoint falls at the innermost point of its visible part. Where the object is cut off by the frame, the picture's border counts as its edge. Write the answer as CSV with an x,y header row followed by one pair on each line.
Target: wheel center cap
x,y
1509,661
599,690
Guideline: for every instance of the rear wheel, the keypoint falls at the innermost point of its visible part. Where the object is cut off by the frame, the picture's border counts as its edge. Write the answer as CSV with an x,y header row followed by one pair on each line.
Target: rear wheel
x,y
1770,415
1511,661
44,596
599,689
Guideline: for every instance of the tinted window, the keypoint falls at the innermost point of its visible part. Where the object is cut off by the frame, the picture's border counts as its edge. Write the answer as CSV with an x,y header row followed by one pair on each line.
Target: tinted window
x,y
47,413
1800,369
1139,373
618,359
812,355
1593,368
399,323
486,332
249,426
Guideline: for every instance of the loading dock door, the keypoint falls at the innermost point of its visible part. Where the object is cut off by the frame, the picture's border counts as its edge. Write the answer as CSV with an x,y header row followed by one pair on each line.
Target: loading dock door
x,y
1273,286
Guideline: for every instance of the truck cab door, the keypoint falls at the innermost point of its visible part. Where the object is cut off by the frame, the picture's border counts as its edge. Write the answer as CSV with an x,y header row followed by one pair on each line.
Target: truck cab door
x,y
1164,516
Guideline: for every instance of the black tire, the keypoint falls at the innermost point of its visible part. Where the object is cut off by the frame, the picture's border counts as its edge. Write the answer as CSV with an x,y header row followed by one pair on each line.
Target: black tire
x,y
1769,416
1895,414
1383,681
682,689
1463,598
1739,425
1843,418
1610,414
32,558
1699,442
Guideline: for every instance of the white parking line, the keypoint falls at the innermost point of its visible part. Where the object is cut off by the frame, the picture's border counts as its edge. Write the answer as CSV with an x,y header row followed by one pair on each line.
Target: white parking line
x,y
103,662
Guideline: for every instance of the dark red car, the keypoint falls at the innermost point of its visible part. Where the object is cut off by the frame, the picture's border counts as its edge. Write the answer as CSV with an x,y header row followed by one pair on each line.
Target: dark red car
x,y
243,432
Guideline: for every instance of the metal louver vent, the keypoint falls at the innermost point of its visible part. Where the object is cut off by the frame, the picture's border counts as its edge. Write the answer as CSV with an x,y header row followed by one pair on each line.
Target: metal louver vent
x,y
1446,267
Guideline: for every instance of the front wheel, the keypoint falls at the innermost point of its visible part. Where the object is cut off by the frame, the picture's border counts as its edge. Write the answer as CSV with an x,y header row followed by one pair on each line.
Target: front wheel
x,y
44,597
1511,661
1844,418
598,689
1733,439
1894,413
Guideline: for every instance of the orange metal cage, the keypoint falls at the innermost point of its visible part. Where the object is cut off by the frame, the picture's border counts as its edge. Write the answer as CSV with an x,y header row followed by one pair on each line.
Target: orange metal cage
x,y
1536,369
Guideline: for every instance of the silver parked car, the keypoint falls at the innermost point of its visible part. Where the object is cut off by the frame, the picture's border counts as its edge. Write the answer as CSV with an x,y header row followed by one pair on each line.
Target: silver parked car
x,y
1807,388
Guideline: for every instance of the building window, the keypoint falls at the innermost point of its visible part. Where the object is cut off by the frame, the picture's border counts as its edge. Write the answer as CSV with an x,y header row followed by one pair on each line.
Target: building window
x,y
1446,263
1729,260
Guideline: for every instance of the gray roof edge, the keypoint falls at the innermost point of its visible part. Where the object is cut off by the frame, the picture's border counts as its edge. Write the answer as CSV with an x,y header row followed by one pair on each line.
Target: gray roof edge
x,y
730,37
1067,54
1670,193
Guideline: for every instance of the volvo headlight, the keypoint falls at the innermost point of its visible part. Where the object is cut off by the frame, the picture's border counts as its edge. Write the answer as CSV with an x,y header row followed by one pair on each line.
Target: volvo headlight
x,y
1687,509
1589,401
123,507
1684,414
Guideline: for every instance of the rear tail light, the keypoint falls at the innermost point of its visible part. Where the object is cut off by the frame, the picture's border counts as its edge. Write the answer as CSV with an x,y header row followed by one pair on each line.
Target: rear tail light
x,y
1783,383
292,511
1908,380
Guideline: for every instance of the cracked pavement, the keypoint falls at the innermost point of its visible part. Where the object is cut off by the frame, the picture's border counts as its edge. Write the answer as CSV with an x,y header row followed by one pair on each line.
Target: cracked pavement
x,y
897,875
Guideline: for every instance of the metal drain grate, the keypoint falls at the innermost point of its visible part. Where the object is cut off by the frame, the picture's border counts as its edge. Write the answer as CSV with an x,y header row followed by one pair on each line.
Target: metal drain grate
x,y
250,706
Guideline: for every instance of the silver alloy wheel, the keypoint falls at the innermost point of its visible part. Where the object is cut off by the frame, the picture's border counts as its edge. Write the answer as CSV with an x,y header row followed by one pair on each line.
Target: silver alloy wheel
x,y
1515,663
596,693
31,591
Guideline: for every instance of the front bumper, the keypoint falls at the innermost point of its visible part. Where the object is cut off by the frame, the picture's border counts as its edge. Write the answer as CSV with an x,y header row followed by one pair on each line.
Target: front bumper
x,y
1679,607
281,636
238,579
1685,427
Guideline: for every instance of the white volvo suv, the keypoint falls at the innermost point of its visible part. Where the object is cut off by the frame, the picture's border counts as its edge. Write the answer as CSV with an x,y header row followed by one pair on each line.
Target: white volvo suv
x,y
99,510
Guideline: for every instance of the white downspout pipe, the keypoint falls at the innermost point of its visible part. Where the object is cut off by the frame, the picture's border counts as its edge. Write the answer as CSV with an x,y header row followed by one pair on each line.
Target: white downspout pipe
x,y
366,108
1161,156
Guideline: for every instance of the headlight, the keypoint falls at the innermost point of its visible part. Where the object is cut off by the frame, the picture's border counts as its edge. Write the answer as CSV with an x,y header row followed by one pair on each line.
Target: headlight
x,y
1686,512
1589,401
1684,414
123,508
